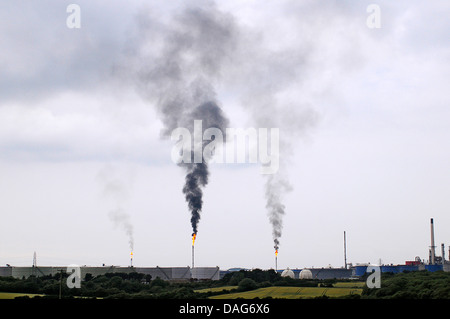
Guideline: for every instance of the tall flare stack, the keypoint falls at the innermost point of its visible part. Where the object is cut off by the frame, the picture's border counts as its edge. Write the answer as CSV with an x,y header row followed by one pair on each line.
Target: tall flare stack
x,y
194,235
276,260
345,251
432,247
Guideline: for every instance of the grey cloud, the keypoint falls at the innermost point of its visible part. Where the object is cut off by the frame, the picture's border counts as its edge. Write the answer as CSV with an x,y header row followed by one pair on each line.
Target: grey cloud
x,y
41,56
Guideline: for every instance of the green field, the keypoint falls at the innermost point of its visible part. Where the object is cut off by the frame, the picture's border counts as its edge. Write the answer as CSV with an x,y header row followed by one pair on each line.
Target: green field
x,y
292,293
216,289
338,290
349,284
12,295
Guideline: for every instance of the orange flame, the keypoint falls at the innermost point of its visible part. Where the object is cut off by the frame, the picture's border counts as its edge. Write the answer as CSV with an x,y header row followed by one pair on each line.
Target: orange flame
x,y
193,238
276,253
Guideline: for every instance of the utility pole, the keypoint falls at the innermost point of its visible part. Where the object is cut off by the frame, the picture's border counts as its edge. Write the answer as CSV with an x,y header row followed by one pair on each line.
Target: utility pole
x,y
33,269
60,282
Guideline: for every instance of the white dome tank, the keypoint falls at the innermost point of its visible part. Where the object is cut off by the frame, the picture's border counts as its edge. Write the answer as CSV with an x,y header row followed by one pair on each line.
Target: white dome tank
x,y
305,274
288,273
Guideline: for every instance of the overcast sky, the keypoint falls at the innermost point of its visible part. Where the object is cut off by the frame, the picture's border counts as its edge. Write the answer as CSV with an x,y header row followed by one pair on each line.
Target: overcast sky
x,y
363,112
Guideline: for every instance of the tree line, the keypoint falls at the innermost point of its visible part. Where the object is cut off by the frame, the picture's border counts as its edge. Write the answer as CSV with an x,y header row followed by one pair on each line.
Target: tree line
x,y
412,285
136,285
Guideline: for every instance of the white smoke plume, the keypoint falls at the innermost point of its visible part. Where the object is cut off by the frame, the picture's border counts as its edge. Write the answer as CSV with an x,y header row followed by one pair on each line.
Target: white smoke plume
x,y
116,188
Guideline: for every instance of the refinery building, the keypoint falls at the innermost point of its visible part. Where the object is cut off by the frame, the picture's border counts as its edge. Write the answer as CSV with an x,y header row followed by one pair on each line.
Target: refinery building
x,y
349,271
165,273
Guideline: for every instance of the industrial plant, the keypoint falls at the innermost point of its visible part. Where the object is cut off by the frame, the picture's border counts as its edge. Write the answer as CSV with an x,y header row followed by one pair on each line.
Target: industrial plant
x,y
349,271
435,263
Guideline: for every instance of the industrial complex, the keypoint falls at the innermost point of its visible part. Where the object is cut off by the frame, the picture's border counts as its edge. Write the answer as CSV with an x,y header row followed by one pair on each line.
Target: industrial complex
x,y
349,271
165,273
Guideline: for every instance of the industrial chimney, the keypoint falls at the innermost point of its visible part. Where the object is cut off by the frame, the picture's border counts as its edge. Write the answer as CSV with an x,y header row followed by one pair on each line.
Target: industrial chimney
x,y
345,251
432,248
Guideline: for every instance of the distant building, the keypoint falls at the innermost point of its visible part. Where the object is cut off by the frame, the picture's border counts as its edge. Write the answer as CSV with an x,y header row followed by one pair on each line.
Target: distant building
x,y
165,273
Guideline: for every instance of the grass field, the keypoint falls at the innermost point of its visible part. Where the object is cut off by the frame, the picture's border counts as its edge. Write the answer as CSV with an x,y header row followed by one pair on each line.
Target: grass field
x,y
12,295
349,284
216,289
292,293
339,289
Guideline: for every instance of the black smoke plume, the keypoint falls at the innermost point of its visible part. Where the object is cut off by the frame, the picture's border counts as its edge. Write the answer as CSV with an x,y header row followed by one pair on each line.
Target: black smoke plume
x,y
178,62
197,173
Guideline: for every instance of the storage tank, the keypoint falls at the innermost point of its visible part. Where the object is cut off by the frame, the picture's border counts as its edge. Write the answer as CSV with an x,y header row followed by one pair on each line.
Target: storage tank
x,y
288,273
305,274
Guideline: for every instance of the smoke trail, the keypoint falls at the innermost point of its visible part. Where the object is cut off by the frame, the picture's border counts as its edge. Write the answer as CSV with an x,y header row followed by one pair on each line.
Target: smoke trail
x,y
197,173
178,72
115,188
196,178
275,188
272,78
291,74
278,185
122,219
